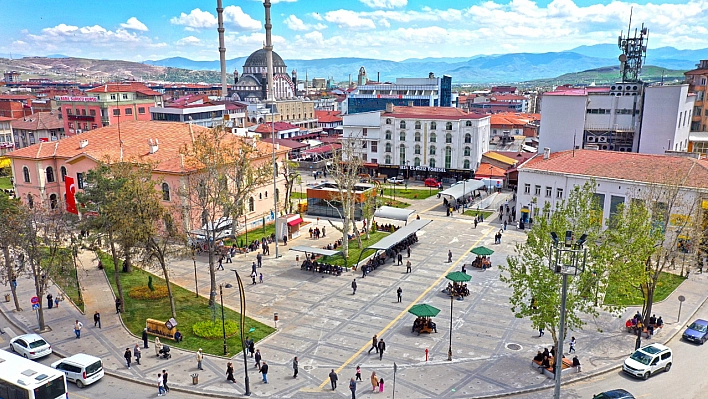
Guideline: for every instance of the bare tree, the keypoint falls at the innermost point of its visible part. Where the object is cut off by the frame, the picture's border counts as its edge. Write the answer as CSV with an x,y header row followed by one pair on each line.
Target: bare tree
x,y
11,217
291,175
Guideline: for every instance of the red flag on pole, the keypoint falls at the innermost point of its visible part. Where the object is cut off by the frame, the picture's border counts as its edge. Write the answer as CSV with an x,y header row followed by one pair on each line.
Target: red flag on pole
x,y
70,195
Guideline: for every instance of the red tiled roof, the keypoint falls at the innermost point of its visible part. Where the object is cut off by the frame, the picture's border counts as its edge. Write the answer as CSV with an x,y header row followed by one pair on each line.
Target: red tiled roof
x,y
511,118
432,113
645,168
39,121
324,148
6,119
483,171
103,144
292,144
278,127
507,97
16,97
328,116
697,72
132,87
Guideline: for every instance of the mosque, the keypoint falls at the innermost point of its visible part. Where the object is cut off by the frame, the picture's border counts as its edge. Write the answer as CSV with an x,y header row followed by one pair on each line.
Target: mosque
x,y
252,85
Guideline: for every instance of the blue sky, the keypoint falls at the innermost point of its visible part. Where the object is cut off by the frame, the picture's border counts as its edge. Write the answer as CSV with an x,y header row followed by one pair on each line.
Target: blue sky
x,y
138,30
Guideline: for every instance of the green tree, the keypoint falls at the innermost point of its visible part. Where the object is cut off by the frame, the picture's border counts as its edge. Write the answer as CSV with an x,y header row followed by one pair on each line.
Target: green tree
x,y
291,175
536,289
11,216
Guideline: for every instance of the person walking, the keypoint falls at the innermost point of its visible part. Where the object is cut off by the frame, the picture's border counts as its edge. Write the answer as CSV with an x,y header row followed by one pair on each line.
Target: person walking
x,y
374,381
475,222
572,345
264,371
259,259
164,381
252,347
258,359
333,379
382,348
408,267
449,256
352,387
145,338
381,385
354,287
137,354
540,332
77,328
374,344
323,232
200,358
158,346
400,259
253,277
253,267
408,250
505,225
97,319
221,263
358,373
160,385
118,303
230,372
399,292
128,357
50,300
295,367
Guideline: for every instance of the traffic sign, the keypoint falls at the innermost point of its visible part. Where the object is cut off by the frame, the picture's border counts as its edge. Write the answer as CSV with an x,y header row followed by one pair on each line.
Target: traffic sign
x,y
35,306
34,300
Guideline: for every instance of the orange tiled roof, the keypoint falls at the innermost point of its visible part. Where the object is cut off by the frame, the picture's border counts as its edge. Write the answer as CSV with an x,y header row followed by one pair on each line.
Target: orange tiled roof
x,y
103,144
647,168
512,118
432,113
39,121
132,87
328,116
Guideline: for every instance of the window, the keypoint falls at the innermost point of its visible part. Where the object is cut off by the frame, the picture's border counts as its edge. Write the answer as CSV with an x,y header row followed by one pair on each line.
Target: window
x,y
113,96
116,112
537,190
364,144
80,180
364,131
468,123
50,174
432,150
68,111
433,137
448,157
448,126
448,138
416,161
468,138
374,146
402,154
125,96
527,188
467,151
92,112
25,173
417,124
417,136
431,163
388,135
387,160
433,126
548,191
388,147
129,111
141,110
402,125
63,173
559,193
403,136
251,204
388,121
266,194
417,149
466,164
165,192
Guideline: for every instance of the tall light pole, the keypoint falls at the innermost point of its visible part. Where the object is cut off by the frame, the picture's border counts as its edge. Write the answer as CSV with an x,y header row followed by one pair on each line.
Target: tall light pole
x,y
223,322
271,100
242,326
194,260
449,350
566,258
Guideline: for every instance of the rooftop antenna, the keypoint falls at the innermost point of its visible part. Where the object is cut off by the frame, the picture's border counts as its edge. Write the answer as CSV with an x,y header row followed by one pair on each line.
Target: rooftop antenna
x,y
634,51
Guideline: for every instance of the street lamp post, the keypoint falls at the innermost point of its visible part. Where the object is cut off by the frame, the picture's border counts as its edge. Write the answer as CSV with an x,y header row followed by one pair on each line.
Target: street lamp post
x,y
566,258
242,326
194,260
275,179
223,322
449,350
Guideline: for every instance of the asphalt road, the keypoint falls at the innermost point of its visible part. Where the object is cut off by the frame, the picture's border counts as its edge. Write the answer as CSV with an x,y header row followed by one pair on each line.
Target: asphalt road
x,y
684,381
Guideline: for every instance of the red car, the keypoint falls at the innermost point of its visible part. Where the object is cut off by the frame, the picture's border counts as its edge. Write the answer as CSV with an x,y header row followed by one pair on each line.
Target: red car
x,y
431,182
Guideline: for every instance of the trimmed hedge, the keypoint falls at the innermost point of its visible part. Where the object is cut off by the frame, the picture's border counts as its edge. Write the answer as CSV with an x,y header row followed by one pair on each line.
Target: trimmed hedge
x,y
144,292
207,329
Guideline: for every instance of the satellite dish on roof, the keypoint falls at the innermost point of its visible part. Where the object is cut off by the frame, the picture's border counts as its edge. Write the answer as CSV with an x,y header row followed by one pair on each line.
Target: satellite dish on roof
x,y
623,58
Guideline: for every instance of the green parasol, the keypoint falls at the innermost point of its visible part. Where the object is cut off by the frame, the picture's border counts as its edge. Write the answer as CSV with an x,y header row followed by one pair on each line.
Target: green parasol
x,y
482,251
424,310
458,277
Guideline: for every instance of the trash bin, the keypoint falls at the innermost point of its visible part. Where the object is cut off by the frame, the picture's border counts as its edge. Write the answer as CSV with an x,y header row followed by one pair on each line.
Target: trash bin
x,y
195,379
7,297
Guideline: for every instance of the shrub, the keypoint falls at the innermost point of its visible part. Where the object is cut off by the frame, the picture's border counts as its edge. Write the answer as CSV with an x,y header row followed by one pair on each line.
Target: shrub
x,y
207,329
144,292
152,288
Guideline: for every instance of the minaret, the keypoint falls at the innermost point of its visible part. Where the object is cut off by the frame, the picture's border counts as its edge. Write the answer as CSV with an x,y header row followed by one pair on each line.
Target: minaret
x,y
222,48
269,51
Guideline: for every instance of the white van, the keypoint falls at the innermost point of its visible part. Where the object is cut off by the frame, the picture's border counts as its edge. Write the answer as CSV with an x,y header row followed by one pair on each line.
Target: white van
x,y
81,369
648,360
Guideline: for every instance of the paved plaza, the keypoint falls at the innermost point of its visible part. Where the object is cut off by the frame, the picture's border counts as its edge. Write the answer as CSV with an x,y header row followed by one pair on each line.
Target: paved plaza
x,y
327,327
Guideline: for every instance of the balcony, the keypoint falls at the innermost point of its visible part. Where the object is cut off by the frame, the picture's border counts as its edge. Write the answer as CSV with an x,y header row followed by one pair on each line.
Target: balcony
x,y
87,118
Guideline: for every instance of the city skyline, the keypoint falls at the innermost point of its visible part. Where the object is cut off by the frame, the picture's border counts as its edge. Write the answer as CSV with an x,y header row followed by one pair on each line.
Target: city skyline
x,y
383,29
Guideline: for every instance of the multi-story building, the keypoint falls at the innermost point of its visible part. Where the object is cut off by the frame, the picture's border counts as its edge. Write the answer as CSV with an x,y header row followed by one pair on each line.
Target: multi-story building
x,y
515,124
328,121
300,113
500,103
7,143
107,105
423,92
697,80
16,105
252,85
625,117
36,128
420,142
199,110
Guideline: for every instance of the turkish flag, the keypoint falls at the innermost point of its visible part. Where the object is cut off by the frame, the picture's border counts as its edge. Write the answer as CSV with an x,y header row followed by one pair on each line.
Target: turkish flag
x,y
70,195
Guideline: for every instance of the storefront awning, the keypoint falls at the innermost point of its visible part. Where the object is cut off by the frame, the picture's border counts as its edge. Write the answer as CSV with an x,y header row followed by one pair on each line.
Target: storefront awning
x,y
313,250
389,212
295,222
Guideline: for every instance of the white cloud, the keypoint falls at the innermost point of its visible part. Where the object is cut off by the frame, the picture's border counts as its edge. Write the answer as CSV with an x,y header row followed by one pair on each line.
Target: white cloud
x,y
349,20
385,3
233,16
195,19
134,24
295,23
188,41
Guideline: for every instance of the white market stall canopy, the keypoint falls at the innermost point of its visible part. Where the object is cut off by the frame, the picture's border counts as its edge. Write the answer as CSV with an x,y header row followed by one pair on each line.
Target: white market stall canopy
x,y
313,250
463,188
399,235
389,212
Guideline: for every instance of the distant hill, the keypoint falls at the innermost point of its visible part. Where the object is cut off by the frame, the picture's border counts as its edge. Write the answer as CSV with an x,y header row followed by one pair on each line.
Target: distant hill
x,y
606,75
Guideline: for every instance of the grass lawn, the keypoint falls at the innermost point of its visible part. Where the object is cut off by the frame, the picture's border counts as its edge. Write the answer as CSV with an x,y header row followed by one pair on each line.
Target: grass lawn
x,y
66,278
5,183
354,251
402,192
474,212
667,283
255,234
190,310
298,195
394,203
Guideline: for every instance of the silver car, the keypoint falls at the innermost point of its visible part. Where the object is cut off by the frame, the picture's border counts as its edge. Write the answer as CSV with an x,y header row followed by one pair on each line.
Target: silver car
x,y
31,346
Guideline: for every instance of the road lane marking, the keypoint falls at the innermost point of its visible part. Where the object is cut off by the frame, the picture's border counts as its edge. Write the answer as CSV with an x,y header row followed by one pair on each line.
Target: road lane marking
x,y
404,311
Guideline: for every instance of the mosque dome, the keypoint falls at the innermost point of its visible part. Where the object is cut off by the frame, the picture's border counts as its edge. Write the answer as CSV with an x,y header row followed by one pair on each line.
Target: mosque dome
x,y
258,59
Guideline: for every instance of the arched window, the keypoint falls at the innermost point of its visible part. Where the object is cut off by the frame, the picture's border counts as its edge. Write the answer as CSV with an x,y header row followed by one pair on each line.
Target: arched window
x,y
402,124
466,164
433,137
388,121
448,138
388,147
402,154
53,201
432,150
448,126
251,205
260,196
468,123
50,174
417,136
388,135
416,161
468,138
25,173
431,163
63,173
266,194
433,125
403,136
417,124
416,149
448,157
467,151
165,192
387,161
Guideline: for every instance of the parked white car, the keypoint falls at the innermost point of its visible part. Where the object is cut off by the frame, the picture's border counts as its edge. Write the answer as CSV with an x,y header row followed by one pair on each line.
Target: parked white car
x,y
396,180
81,369
31,346
648,360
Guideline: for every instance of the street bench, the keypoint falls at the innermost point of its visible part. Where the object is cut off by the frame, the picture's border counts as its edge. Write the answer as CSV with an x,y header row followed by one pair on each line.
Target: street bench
x,y
550,372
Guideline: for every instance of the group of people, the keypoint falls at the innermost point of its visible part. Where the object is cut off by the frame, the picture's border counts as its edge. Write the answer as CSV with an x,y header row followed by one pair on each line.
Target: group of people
x,y
482,262
316,233
390,228
377,384
421,323
321,267
547,359
636,325
457,289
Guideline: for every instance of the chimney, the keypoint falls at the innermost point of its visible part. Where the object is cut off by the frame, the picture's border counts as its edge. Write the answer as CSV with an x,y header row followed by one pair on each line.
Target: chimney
x,y
83,143
154,145
389,108
546,152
